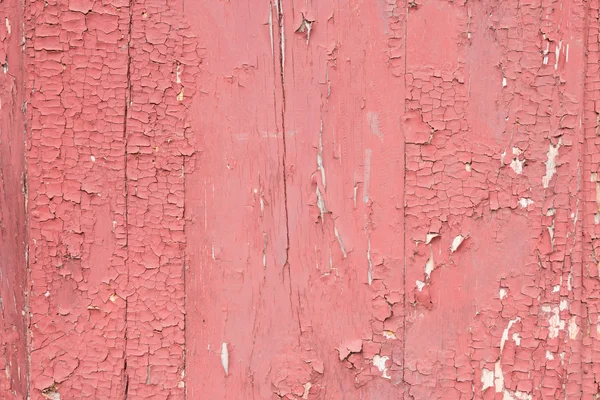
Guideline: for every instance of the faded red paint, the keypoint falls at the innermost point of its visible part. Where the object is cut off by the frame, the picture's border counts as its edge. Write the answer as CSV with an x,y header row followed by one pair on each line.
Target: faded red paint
x,y
393,199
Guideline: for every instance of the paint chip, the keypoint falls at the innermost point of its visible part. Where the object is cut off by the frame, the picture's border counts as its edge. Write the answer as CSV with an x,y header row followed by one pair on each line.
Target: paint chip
x,y
517,166
430,237
379,362
305,27
389,335
225,358
487,379
573,328
429,266
339,238
564,304
320,204
51,393
516,338
525,202
352,346
555,323
551,163
307,387
456,243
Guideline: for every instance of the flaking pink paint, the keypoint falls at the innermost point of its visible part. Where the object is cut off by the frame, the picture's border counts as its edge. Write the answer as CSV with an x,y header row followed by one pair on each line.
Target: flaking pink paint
x,y
300,200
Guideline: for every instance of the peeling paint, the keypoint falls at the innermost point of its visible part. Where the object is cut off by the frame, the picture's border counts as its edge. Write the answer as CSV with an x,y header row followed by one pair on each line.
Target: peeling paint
x,y
502,293
429,266
525,202
487,379
167,159
339,239
456,242
517,165
573,328
225,358
554,320
430,237
380,363
551,162
305,27
498,371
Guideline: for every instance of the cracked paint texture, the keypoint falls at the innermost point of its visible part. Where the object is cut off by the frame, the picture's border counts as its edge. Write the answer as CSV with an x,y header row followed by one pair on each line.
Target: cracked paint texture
x,y
300,200
13,274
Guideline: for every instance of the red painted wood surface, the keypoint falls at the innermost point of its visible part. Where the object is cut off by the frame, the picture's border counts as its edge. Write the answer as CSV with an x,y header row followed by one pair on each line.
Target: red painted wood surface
x,y
13,259
301,200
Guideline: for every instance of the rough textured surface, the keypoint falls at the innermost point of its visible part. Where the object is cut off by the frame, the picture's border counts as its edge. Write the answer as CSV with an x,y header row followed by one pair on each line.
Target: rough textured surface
x,y
13,275
163,64
77,64
300,200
